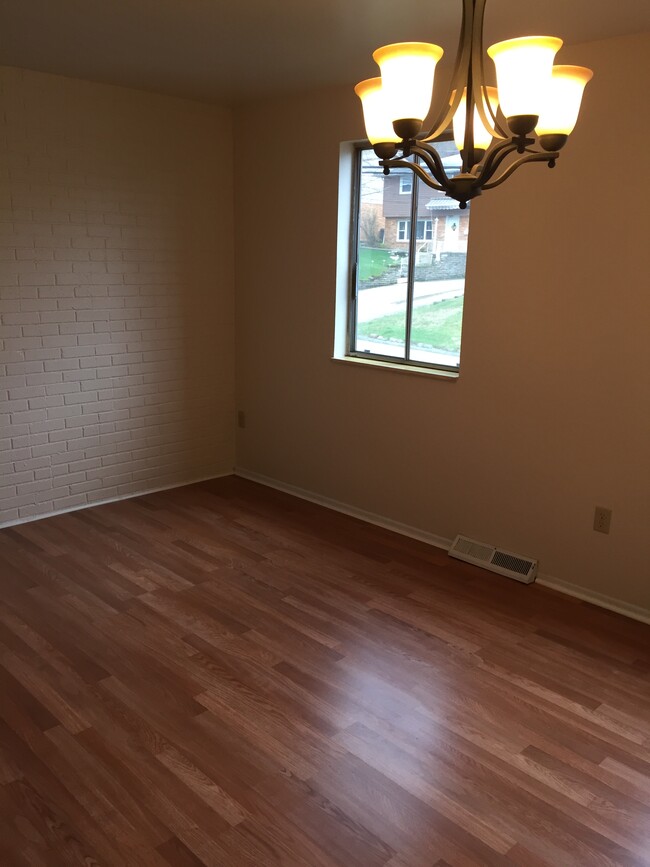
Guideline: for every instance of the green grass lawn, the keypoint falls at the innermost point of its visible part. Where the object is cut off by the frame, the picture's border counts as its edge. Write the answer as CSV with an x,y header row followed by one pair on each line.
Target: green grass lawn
x,y
434,325
373,262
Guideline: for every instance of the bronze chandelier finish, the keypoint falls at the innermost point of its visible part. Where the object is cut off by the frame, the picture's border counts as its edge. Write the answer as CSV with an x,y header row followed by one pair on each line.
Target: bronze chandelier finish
x,y
480,169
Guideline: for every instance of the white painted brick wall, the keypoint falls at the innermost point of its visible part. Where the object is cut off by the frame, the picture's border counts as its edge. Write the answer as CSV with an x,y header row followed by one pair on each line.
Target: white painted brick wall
x,y
116,293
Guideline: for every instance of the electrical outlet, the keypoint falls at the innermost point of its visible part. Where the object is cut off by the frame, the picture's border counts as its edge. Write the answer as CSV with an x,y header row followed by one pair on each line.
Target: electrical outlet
x,y
602,519
241,418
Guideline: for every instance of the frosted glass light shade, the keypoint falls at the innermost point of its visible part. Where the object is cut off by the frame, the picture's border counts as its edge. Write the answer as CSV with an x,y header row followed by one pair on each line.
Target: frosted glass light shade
x,y
379,126
482,136
524,68
407,73
561,105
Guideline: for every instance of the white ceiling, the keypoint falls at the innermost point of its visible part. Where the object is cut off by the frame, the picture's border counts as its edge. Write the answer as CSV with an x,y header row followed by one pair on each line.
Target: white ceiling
x,y
216,50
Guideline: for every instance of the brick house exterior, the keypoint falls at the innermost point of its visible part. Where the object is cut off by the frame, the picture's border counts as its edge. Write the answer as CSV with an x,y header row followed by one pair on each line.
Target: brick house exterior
x,y
441,225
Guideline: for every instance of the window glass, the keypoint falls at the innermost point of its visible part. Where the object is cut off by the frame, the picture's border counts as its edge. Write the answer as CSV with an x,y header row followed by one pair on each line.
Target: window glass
x,y
408,290
382,264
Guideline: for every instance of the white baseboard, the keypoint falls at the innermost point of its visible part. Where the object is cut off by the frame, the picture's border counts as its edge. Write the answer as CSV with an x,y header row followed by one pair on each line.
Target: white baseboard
x,y
600,599
336,506
117,499
619,606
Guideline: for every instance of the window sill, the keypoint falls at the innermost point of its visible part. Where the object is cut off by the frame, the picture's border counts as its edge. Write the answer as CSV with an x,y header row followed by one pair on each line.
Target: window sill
x,y
448,375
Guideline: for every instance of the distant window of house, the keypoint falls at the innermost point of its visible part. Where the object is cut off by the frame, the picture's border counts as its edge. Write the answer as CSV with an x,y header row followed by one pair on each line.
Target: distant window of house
x,y
406,297
424,230
405,184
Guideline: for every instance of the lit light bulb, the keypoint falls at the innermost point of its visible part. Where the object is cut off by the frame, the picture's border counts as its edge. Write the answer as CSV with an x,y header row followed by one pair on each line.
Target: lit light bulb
x,y
482,136
524,68
407,74
379,125
561,106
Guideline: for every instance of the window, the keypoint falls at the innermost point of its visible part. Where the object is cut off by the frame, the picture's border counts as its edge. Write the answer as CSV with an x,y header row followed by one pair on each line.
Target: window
x,y
405,184
424,230
406,297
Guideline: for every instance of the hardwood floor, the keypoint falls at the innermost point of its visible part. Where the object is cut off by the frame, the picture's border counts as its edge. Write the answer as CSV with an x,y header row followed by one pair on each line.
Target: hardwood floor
x,y
226,675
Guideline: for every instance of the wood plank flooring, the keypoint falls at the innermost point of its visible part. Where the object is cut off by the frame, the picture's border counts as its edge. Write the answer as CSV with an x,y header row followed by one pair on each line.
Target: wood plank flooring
x,y
226,675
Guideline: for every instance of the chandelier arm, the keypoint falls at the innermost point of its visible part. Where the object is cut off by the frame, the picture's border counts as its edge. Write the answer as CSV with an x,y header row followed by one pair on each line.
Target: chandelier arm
x,y
432,159
419,171
495,157
487,115
463,55
529,158
467,152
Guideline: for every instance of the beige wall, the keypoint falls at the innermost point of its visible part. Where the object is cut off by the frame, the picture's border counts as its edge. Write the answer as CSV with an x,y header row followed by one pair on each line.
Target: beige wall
x,y
551,413
117,338
116,280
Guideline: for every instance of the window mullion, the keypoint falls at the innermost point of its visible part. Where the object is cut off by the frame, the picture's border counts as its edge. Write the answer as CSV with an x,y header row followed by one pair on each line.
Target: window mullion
x,y
353,288
410,278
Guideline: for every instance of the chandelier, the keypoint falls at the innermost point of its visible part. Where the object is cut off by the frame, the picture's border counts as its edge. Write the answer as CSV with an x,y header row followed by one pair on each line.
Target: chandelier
x,y
530,113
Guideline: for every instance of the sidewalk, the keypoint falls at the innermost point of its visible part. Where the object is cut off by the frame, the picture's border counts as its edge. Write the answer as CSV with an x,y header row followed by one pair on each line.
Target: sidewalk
x,y
385,300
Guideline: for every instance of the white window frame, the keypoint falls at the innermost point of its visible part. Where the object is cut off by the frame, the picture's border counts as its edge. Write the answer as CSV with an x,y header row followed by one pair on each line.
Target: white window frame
x,y
405,184
345,331
403,229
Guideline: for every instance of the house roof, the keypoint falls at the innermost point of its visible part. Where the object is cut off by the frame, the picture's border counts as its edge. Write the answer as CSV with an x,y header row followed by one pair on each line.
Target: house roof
x,y
214,50
442,203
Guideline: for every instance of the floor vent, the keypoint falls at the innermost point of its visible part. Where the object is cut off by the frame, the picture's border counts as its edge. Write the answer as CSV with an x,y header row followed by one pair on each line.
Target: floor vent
x,y
504,562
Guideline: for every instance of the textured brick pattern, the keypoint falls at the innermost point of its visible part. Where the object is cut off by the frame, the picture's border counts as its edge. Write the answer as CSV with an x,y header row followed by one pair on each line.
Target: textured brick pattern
x,y
116,307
